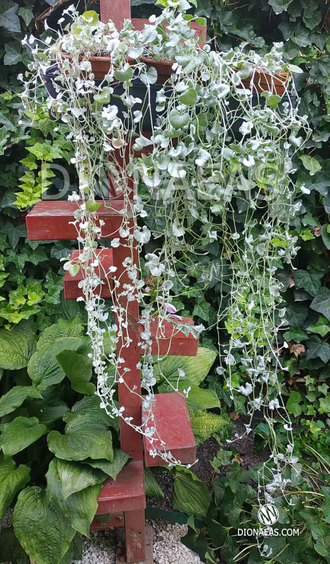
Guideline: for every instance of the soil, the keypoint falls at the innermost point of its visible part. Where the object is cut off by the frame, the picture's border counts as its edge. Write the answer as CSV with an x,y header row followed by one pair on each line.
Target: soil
x,y
203,468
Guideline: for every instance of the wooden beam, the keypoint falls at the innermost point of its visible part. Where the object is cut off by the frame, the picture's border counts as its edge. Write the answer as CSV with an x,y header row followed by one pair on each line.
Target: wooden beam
x,y
51,220
115,10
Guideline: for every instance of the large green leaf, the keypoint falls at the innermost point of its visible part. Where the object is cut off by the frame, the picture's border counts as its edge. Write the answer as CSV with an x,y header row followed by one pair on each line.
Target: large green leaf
x,y
16,346
75,477
311,282
85,442
60,330
152,487
90,407
112,469
38,525
47,411
321,302
8,16
80,508
15,397
10,548
43,367
195,368
12,480
190,495
202,399
19,434
75,551
205,424
79,370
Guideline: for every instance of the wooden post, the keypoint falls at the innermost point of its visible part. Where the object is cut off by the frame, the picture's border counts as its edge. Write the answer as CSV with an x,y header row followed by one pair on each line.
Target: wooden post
x,y
131,441
115,10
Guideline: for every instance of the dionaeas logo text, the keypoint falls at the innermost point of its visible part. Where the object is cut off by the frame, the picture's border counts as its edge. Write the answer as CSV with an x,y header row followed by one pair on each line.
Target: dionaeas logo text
x,y
268,515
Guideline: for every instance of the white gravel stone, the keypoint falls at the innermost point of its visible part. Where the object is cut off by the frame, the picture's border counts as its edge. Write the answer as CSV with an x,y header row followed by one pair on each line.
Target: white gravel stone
x,y
168,549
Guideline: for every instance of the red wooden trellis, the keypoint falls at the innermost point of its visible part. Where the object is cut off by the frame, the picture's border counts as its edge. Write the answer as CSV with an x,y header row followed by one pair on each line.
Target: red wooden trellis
x,y
124,498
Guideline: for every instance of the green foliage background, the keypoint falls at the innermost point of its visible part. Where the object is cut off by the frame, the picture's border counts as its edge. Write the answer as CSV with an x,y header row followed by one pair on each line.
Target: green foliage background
x,y
31,274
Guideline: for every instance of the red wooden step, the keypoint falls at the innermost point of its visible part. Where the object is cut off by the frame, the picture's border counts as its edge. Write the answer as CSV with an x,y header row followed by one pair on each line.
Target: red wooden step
x,y
50,221
167,339
172,424
115,520
126,493
70,283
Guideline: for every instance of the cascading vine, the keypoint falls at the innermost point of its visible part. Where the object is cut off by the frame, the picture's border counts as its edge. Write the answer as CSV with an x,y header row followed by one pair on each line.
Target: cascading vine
x,y
218,169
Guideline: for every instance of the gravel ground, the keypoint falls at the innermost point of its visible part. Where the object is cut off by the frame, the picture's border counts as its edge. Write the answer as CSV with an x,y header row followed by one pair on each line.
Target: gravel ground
x,y
167,547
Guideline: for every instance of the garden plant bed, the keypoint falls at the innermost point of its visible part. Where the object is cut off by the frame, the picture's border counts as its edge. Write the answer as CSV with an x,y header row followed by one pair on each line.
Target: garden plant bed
x,y
164,282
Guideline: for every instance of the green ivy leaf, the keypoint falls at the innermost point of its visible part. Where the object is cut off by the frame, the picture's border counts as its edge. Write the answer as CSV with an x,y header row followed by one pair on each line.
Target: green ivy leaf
x,y
26,14
295,334
202,310
293,404
312,18
280,6
321,327
190,495
325,405
296,315
14,233
318,349
13,53
39,527
321,303
307,281
8,16
12,480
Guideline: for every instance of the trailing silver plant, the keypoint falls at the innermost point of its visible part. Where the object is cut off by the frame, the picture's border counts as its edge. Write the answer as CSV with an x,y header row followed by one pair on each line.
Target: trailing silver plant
x,y
217,140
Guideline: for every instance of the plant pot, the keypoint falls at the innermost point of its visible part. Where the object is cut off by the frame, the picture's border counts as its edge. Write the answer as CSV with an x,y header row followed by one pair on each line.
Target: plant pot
x,y
263,82
256,100
101,67
138,90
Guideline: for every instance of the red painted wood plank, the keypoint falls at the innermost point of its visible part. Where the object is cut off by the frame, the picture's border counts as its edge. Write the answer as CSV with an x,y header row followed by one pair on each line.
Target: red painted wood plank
x,y
126,493
172,424
115,520
131,441
50,220
115,10
135,536
167,339
70,283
